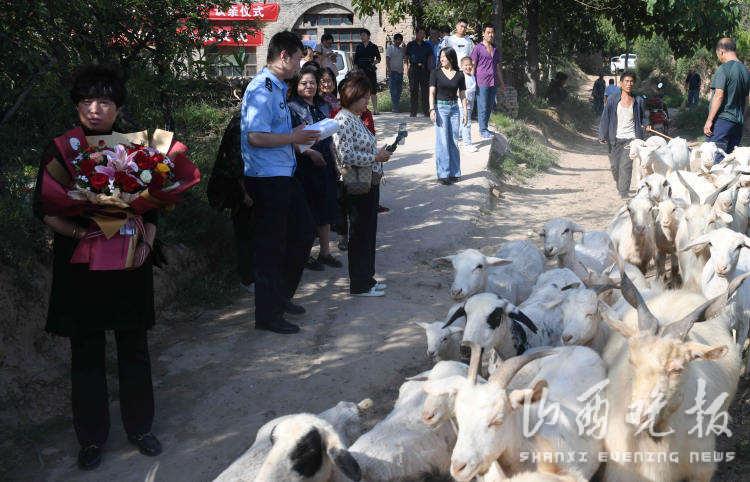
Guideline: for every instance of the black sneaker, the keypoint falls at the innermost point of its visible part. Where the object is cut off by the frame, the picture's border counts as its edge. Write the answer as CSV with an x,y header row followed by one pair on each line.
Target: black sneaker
x,y
147,444
279,326
454,179
89,457
444,181
383,209
343,244
329,260
314,265
293,309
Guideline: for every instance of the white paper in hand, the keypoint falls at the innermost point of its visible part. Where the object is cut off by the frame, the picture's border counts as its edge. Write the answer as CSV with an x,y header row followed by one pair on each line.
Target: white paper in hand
x,y
327,128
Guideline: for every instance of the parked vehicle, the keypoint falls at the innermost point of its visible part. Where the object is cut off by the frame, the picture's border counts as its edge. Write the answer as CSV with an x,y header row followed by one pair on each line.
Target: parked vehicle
x,y
343,64
658,113
617,64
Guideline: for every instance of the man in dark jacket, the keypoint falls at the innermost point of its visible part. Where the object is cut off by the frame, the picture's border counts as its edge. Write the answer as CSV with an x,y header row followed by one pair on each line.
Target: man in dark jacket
x,y
621,122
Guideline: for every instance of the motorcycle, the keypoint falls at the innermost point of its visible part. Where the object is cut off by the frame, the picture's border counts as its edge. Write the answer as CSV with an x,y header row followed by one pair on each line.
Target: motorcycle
x,y
658,113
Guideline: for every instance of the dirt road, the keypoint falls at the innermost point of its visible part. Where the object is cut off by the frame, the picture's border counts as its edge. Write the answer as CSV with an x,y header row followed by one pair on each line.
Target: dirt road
x,y
217,380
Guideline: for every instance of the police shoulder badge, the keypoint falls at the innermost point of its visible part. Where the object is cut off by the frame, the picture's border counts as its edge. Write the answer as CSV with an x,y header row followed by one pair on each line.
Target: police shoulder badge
x,y
269,84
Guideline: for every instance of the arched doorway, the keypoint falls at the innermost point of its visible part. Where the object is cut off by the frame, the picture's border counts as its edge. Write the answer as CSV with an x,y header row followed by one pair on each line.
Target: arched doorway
x,y
329,18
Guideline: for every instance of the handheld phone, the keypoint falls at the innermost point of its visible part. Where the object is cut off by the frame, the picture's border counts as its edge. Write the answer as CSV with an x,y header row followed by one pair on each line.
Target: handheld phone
x,y
402,133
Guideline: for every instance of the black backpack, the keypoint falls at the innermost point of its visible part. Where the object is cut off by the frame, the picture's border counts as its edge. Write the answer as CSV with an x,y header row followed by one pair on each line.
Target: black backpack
x,y
223,190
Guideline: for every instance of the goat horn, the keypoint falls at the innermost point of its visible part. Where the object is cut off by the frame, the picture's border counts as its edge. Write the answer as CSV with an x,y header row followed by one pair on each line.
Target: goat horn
x,y
710,200
694,198
458,314
521,317
474,361
647,322
510,367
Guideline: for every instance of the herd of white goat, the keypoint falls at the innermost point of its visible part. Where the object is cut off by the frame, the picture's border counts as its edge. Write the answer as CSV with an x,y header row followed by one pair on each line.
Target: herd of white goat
x,y
649,318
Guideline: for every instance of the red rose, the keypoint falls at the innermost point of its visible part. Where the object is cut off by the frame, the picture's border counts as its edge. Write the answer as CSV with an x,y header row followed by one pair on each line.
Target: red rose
x,y
127,182
157,181
98,181
145,163
87,166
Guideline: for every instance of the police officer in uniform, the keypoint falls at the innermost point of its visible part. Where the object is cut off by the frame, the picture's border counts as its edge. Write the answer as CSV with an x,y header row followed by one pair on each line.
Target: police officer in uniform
x,y
283,229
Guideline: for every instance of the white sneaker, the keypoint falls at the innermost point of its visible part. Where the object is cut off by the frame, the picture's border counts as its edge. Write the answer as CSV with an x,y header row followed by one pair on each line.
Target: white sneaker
x,y
380,286
373,293
470,148
248,288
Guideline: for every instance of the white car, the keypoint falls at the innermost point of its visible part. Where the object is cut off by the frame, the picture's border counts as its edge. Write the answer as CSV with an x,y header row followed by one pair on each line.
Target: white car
x,y
617,64
343,64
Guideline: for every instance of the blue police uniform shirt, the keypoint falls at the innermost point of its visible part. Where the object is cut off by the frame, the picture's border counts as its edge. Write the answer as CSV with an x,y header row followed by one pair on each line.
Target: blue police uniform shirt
x,y
264,109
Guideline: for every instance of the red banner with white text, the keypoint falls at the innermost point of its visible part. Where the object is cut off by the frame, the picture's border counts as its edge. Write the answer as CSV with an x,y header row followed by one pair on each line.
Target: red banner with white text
x,y
266,12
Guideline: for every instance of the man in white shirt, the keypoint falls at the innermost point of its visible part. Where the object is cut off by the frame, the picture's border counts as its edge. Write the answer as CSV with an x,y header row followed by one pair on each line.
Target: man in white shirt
x,y
326,53
459,42
394,70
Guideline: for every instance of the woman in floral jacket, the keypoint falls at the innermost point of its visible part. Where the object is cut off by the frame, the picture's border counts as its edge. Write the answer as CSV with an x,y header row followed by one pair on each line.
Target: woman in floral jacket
x,y
357,148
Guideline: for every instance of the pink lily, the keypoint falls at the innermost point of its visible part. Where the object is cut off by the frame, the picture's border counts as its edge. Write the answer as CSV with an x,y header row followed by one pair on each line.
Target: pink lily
x,y
117,160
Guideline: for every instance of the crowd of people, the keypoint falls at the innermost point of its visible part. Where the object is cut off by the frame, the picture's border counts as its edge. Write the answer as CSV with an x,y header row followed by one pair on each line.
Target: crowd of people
x,y
623,118
285,185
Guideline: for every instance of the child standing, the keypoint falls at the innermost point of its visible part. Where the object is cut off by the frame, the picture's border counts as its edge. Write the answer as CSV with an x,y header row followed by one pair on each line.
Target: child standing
x,y
467,66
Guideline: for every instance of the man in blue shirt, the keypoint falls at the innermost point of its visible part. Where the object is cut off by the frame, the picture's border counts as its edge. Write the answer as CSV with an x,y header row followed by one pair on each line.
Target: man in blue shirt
x,y
283,226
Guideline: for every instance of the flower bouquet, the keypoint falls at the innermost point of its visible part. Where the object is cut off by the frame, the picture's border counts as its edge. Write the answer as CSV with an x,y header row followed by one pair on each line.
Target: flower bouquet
x,y
113,180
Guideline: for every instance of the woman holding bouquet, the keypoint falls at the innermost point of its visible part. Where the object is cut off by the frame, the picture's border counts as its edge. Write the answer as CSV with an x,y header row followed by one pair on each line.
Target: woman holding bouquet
x,y
85,303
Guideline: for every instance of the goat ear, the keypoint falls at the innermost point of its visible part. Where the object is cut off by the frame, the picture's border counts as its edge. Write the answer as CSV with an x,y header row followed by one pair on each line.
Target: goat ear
x,y
346,463
493,261
445,260
705,352
527,395
553,303
422,324
571,286
496,317
725,217
699,241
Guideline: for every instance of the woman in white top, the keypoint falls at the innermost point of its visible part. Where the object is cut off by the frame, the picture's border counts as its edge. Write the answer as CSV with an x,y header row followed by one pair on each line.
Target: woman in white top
x,y
357,151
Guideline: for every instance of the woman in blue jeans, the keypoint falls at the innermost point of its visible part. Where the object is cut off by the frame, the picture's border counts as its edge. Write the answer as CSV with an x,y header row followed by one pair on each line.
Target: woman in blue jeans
x,y
447,88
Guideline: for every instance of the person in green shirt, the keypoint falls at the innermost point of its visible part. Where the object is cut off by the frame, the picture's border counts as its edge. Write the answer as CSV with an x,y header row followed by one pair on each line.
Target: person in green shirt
x,y
730,85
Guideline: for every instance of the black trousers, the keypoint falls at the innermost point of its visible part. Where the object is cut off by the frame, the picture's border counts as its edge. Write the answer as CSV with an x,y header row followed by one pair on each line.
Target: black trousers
x,y
242,223
363,227
621,165
419,88
283,235
89,383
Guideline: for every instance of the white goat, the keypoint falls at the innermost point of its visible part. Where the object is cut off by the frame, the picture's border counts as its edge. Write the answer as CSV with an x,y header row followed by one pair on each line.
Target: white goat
x,y
582,322
401,446
633,233
494,322
510,274
702,157
654,371
595,252
558,277
655,187
640,153
668,217
699,219
444,343
280,450
489,418
729,258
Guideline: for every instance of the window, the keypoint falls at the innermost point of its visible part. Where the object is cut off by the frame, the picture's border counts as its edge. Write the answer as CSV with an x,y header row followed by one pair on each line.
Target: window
x,y
232,61
345,39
